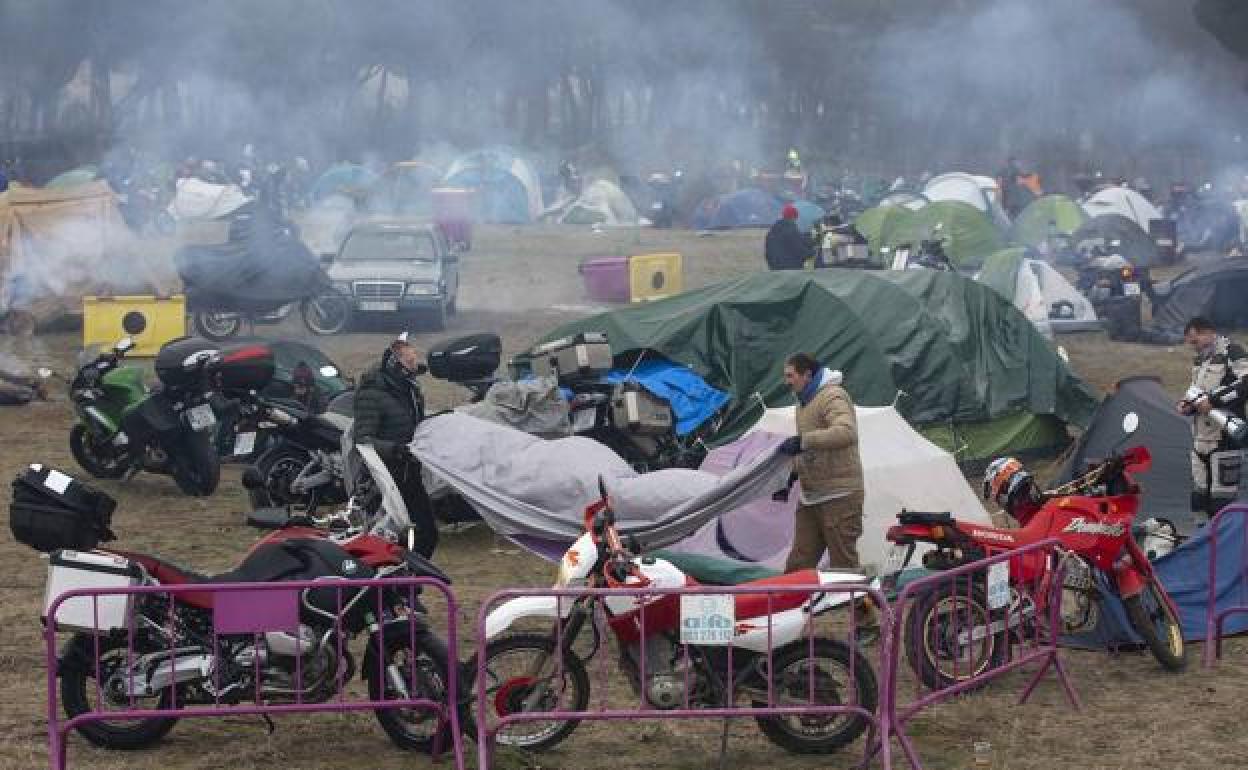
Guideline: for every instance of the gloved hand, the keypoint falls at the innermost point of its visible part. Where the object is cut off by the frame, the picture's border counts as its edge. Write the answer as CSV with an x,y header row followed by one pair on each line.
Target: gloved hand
x,y
780,495
791,446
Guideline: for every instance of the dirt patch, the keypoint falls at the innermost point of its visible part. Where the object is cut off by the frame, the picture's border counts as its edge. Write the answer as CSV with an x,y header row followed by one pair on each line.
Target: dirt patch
x,y
521,282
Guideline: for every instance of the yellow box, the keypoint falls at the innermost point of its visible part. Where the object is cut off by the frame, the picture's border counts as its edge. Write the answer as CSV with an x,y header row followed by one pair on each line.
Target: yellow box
x,y
104,321
654,276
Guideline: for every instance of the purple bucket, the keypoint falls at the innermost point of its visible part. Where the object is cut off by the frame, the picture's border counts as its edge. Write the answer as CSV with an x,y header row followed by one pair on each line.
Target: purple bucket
x,y
606,279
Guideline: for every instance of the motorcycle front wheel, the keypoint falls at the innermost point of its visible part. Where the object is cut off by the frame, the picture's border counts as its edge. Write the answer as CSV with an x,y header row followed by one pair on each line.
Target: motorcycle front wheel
x,y
81,695
326,314
217,325
523,676
197,468
98,459
424,678
1153,619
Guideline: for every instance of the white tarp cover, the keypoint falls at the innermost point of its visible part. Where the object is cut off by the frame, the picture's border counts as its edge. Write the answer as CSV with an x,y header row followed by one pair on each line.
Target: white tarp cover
x,y
525,485
901,470
196,199
601,202
1124,201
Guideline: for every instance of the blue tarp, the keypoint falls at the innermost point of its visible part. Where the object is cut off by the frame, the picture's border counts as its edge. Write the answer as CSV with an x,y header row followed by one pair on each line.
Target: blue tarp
x,y
344,178
1185,574
751,208
693,401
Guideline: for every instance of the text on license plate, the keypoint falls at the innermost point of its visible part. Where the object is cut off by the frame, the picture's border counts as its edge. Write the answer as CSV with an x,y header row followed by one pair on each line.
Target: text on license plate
x,y
245,443
896,559
1131,289
201,417
378,307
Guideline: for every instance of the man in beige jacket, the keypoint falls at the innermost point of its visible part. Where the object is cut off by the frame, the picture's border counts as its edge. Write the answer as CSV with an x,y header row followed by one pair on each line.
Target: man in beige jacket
x,y
829,514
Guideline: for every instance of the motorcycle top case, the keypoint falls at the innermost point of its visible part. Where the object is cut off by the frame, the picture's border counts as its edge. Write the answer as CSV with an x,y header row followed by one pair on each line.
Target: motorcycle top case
x,y
585,356
639,411
51,510
467,358
245,367
172,357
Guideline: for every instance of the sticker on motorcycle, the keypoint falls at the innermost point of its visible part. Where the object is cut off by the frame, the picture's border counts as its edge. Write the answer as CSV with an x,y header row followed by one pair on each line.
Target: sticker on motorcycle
x,y
1131,289
999,585
706,619
57,482
201,417
245,443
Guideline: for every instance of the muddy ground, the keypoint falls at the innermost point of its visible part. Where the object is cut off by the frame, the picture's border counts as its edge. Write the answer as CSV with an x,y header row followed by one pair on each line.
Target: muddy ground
x,y
520,282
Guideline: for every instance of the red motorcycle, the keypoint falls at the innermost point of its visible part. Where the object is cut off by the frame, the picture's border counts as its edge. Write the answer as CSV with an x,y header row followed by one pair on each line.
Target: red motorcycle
x,y
174,648
953,634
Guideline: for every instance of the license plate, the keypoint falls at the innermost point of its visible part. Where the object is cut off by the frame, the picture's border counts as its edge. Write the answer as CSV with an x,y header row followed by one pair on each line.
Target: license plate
x,y
378,307
244,443
583,419
201,417
896,559
1131,289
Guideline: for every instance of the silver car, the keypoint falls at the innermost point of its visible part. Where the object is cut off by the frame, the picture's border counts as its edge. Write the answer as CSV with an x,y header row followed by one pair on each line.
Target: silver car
x,y
398,267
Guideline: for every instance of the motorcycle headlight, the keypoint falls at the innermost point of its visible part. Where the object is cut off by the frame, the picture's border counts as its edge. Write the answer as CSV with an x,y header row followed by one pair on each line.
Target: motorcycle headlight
x,y
422,290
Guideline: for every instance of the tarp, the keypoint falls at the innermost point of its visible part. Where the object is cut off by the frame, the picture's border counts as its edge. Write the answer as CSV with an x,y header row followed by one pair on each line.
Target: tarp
x,y
508,188
744,208
524,486
969,235
342,179
195,199
1217,290
534,406
1125,202
1166,488
693,401
1136,245
1039,292
981,192
601,202
1049,215
57,245
890,450
958,350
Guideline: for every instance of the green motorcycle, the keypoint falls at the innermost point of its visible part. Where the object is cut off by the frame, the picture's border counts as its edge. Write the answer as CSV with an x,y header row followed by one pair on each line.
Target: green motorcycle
x,y
124,427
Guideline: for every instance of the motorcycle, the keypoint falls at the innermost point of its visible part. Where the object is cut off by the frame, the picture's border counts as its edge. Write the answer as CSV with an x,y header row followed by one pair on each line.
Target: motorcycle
x,y
302,466
186,663
664,189
931,256
123,428
952,634
527,673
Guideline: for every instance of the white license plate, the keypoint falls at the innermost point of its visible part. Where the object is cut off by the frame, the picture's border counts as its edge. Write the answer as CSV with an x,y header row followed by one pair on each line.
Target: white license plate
x,y
244,443
583,419
1131,289
896,559
378,307
201,417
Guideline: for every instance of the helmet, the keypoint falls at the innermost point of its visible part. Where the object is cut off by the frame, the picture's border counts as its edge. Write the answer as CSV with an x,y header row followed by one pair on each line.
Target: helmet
x,y
1005,479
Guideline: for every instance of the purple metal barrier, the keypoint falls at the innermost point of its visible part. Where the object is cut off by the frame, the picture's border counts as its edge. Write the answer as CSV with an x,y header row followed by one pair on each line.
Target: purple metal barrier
x,y
775,617
1215,619
212,650
965,626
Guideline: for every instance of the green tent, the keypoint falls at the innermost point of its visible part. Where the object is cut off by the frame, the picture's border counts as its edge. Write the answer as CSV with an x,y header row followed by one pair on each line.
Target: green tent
x,y
968,233
875,223
74,177
1000,272
954,355
1044,215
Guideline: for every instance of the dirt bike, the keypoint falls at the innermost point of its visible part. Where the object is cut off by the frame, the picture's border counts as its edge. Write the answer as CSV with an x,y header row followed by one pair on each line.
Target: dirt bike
x,y
525,672
952,634
186,663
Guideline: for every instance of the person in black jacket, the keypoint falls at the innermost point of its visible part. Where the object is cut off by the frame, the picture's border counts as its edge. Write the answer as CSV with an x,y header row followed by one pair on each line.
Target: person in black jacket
x,y
786,247
388,407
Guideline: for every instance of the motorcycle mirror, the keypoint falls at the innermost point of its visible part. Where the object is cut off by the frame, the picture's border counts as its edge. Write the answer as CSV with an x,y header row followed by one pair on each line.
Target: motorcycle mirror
x,y
1130,423
329,371
124,345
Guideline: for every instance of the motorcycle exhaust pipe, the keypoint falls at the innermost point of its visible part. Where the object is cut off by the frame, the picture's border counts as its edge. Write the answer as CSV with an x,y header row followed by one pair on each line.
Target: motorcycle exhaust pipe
x,y
184,668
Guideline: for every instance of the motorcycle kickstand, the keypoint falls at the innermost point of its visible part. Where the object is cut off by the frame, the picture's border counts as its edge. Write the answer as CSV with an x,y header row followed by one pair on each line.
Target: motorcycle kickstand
x,y
269,721
723,745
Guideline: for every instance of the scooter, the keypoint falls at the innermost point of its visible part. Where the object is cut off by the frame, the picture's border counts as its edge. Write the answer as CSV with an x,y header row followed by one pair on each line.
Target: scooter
x,y
953,633
527,672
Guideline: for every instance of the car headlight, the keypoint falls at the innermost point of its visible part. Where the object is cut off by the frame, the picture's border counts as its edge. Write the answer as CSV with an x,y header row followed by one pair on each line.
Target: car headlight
x,y
422,289
341,286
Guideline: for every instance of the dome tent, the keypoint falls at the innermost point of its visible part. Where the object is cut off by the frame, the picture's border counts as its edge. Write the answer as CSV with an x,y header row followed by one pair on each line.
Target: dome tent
x,y
969,235
953,353
1043,217
1039,292
1216,290
1125,202
508,188
1133,243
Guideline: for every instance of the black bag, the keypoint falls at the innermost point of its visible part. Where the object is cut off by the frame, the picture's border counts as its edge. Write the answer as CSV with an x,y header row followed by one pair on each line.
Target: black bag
x,y
51,510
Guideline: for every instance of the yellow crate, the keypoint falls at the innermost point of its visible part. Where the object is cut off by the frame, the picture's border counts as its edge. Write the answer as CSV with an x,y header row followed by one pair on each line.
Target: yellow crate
x,y
104,321
654,276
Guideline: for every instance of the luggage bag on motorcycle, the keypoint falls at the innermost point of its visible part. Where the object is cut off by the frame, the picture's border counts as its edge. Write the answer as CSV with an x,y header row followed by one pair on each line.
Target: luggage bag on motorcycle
x,y
244,368
172,357
467,358
582,357
51,510
639,411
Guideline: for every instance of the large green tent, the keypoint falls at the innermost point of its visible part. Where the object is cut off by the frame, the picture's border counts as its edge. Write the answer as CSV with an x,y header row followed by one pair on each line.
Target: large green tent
x,y
875,223
968,233
1044,217
956,357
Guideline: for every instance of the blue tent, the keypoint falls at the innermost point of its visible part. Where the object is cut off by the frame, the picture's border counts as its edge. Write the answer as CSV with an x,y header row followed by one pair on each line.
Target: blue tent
x,y
751,208
343,178
508,189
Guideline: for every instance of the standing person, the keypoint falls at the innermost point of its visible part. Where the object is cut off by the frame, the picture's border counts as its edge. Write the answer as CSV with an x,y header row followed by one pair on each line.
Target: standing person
x,y
1219,362
786,247
388,407
829,514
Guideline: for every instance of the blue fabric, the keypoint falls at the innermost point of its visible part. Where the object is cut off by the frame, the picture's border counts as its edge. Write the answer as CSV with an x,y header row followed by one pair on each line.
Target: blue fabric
x,y
693,401
1184,572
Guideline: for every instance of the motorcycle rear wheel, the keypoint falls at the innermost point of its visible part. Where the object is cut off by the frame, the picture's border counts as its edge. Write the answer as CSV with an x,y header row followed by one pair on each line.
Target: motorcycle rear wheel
x,y
78,691
100,461
279,469
326,314
1154,621
217,326
932,631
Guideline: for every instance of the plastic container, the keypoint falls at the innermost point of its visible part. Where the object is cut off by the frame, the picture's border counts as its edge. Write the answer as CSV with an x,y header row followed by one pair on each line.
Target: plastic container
x,y
607,279
159,320
654,276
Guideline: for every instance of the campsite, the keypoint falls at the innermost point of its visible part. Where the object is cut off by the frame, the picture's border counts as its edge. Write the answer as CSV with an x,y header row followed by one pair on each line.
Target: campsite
x,y
536,267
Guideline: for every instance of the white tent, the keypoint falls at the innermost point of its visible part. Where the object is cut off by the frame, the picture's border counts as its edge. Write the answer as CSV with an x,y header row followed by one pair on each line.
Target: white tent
x,y
1124,201
982,192
1047,299
601,202
901,470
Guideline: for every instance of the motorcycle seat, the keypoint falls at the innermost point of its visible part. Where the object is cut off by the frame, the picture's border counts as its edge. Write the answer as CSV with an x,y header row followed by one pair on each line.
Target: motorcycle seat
x,y
925,517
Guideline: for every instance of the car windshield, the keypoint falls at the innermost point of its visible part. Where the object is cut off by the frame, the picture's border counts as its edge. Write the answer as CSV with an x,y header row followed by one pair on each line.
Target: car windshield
x,y
389,245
